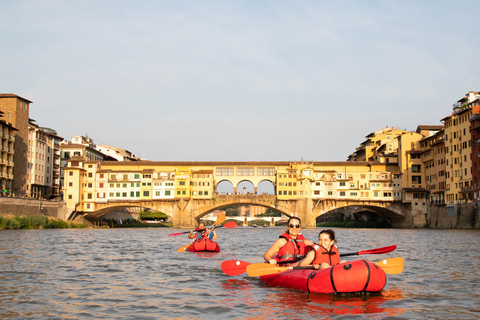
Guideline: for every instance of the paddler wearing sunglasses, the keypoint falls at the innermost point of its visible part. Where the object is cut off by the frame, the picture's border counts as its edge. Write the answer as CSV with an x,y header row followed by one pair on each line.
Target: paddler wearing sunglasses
x,y
202,232
290,245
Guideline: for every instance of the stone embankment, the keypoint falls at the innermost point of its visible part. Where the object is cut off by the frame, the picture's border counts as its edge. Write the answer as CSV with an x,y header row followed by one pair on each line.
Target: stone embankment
x,y
32,207
461,216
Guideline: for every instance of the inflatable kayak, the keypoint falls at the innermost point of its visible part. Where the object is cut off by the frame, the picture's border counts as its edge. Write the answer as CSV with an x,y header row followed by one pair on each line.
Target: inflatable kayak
x,y
349,277
204,245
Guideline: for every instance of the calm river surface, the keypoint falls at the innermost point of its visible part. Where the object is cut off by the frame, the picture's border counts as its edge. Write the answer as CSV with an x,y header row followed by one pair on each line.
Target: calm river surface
x,y
137,274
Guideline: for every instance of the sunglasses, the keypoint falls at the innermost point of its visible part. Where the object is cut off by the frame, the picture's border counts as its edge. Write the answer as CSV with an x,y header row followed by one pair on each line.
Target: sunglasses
x,y
295,226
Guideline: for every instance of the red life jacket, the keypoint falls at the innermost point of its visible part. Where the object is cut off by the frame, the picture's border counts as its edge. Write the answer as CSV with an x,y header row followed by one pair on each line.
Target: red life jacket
x,y
293,249
331,257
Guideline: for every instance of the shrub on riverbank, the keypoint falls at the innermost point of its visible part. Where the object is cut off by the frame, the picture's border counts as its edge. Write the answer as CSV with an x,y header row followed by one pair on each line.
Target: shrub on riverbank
x,y
35,222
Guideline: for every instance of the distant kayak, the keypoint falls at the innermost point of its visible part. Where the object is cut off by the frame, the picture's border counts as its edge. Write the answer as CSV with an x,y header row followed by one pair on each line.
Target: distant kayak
x,y
350,277
204,245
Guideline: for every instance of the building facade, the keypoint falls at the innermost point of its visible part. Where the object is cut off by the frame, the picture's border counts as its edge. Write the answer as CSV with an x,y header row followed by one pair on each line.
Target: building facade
x,y
7,136
16,111
43,175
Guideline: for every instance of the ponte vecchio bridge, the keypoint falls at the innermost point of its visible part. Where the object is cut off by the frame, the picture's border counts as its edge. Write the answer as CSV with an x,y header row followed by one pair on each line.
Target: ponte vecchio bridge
x,y
187,191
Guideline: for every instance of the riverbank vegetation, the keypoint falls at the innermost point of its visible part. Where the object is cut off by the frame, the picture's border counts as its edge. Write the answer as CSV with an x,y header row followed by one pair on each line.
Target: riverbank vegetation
x,y
35,222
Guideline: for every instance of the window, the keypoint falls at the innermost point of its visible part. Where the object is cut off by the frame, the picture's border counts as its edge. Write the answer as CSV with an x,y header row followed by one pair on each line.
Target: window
x,y
113,177
124,194
342,193
245,171
125,177
224,171
268,171
70,173
146,193
181,183
167,192
132,194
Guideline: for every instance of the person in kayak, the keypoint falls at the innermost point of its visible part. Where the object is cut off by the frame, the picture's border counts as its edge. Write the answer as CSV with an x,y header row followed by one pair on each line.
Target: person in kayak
x,y
202,232
325,254
290,245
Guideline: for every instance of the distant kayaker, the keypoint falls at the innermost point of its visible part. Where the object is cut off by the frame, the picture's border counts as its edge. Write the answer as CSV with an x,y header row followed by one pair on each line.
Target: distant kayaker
x,y
202,232
290,245
325,254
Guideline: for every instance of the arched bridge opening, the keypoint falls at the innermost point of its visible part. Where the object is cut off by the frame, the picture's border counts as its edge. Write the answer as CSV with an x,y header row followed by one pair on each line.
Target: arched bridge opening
x,y
121,211
365,213
283,215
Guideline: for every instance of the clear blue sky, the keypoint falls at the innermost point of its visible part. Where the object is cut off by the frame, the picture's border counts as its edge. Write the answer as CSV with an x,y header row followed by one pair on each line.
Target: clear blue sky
x,y
238,80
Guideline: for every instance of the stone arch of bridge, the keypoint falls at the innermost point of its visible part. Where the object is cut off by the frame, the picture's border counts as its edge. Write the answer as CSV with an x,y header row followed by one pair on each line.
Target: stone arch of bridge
x,y
199,216
393,217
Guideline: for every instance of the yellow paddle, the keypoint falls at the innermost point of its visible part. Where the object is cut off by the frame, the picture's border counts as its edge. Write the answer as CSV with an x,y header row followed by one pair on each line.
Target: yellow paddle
x,y
219,220
390,266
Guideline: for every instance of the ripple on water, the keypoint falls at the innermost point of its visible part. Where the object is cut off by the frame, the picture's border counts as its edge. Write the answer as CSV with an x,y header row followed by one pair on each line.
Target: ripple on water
x,y
137,273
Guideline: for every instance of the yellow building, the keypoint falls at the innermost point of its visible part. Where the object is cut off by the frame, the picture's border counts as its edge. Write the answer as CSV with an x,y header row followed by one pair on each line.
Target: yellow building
x,y
433,158
410,166
379,145
7,140
91,182
458,151
16,112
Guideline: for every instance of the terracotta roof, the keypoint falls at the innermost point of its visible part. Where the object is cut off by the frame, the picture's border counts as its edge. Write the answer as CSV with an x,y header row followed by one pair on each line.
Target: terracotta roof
x,y
11,95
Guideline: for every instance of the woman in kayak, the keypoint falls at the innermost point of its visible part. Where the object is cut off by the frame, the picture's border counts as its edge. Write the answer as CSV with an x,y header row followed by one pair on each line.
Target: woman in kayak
x,y
203,232
325,254
291,245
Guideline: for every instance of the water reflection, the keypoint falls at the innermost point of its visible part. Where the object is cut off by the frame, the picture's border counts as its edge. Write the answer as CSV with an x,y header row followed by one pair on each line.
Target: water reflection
x,y
126,274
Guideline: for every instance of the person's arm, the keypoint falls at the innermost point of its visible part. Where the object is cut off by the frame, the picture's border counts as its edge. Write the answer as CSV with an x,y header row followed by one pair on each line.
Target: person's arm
x,y
273,250
192,235
308,259
308,242
213,234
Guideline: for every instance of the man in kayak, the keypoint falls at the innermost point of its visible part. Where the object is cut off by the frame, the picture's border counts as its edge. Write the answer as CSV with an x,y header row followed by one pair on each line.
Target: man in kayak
x,y
203,232
291,245
325,254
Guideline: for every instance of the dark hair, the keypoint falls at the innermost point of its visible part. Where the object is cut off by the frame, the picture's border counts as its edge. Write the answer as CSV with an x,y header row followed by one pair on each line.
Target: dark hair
x,y
296,218
330,233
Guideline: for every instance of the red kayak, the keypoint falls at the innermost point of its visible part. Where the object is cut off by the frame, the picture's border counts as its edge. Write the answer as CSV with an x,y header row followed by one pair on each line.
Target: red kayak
x,y
204,245
349,277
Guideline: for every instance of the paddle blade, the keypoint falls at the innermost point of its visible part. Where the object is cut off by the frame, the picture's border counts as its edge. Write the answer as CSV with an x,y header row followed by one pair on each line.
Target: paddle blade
x,y
392,265
378,250
175,234
184,248
264,269
230,224
234,267
221,218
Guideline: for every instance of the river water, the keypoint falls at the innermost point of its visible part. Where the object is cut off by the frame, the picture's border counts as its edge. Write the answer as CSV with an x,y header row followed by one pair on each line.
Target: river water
x,y
137,274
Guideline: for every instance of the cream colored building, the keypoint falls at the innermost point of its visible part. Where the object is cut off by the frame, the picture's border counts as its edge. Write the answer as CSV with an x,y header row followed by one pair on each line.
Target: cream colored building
x,y
43,175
